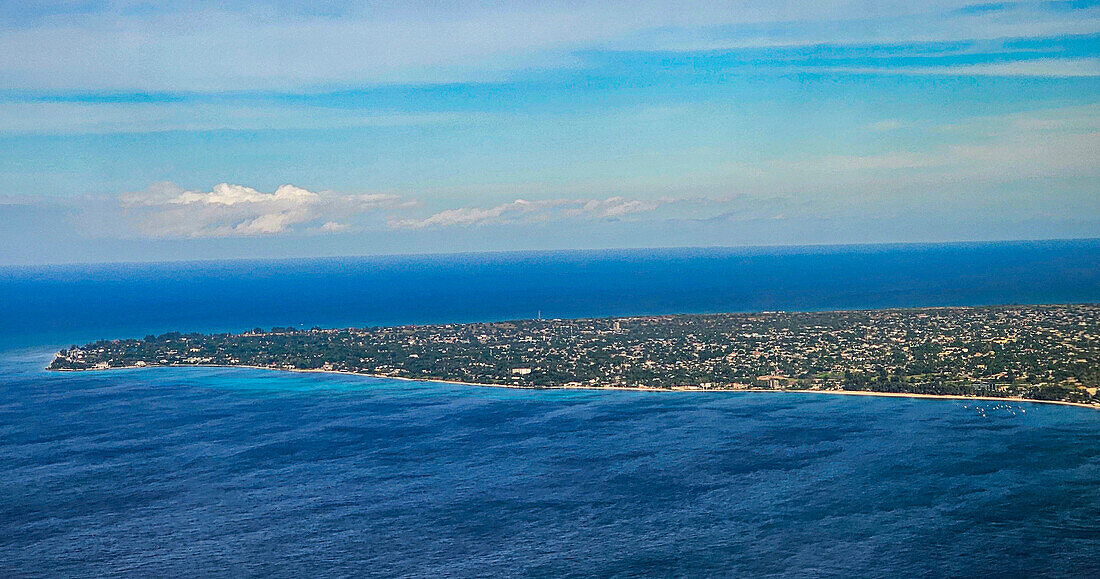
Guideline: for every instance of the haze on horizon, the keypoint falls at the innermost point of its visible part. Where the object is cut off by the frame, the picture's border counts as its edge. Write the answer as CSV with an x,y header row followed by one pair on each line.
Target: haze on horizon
x,y
191,130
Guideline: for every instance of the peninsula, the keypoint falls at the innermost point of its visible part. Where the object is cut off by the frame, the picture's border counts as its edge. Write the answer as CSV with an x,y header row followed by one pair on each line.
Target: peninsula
x,y
1049,353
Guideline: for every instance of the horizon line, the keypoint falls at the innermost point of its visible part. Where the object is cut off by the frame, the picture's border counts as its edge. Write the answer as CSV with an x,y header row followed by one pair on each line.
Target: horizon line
x,y
503,252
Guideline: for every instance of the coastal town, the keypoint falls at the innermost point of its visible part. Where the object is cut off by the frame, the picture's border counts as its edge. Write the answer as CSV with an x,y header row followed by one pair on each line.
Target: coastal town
x,y
1032,352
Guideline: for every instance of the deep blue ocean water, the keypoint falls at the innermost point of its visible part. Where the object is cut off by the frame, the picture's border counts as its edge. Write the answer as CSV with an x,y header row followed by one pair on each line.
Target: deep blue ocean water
x,y
167,472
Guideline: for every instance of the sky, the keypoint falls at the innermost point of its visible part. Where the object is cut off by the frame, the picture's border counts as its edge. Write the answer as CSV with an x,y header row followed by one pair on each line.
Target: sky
x,y
146,131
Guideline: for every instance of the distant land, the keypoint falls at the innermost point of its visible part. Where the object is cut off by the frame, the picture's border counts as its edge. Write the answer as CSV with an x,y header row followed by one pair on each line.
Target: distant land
x,y
1045,353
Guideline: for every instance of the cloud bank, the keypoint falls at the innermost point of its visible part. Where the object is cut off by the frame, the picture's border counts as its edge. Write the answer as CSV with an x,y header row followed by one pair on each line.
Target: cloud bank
x,y
1002,153
521,210
166,210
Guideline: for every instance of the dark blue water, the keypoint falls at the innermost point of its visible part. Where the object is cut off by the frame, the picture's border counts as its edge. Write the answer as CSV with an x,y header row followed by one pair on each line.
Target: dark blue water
x,y
167,472
60,304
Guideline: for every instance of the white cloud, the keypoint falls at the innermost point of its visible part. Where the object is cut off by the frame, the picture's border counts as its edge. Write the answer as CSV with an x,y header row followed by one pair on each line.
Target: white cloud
x,y
226,194
1038,68
521,210
166,210
616,207
474,215
379,200
227,210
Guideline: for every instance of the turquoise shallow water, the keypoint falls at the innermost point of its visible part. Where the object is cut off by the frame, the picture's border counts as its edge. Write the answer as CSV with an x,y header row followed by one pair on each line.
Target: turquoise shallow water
x,y
231,472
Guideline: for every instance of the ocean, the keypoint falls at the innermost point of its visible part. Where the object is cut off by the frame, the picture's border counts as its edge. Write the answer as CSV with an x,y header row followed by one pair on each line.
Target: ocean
x,y
230,472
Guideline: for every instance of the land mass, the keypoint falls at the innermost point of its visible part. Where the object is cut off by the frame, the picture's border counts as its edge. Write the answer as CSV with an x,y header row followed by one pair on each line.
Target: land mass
x,y
1046,353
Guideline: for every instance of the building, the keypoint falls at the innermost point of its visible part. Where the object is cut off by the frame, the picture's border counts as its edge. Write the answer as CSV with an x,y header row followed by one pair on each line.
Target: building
x,y
774,381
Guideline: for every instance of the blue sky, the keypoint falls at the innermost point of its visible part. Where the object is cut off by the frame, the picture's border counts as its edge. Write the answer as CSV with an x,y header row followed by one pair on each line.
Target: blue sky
x,y
148,131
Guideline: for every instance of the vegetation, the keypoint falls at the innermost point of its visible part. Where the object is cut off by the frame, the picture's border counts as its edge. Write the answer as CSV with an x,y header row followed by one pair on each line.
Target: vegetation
x,y
1037,352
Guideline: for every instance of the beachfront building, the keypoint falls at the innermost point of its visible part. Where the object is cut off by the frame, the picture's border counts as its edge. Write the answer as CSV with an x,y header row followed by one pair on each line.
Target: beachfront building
x,y
774,381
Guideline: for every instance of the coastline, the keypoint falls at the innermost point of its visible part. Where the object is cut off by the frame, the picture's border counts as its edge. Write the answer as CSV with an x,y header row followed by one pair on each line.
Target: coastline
x,y
602,388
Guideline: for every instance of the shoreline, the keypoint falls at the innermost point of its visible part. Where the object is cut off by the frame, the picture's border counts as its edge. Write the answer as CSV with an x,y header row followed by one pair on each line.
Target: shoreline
x,y
603,388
